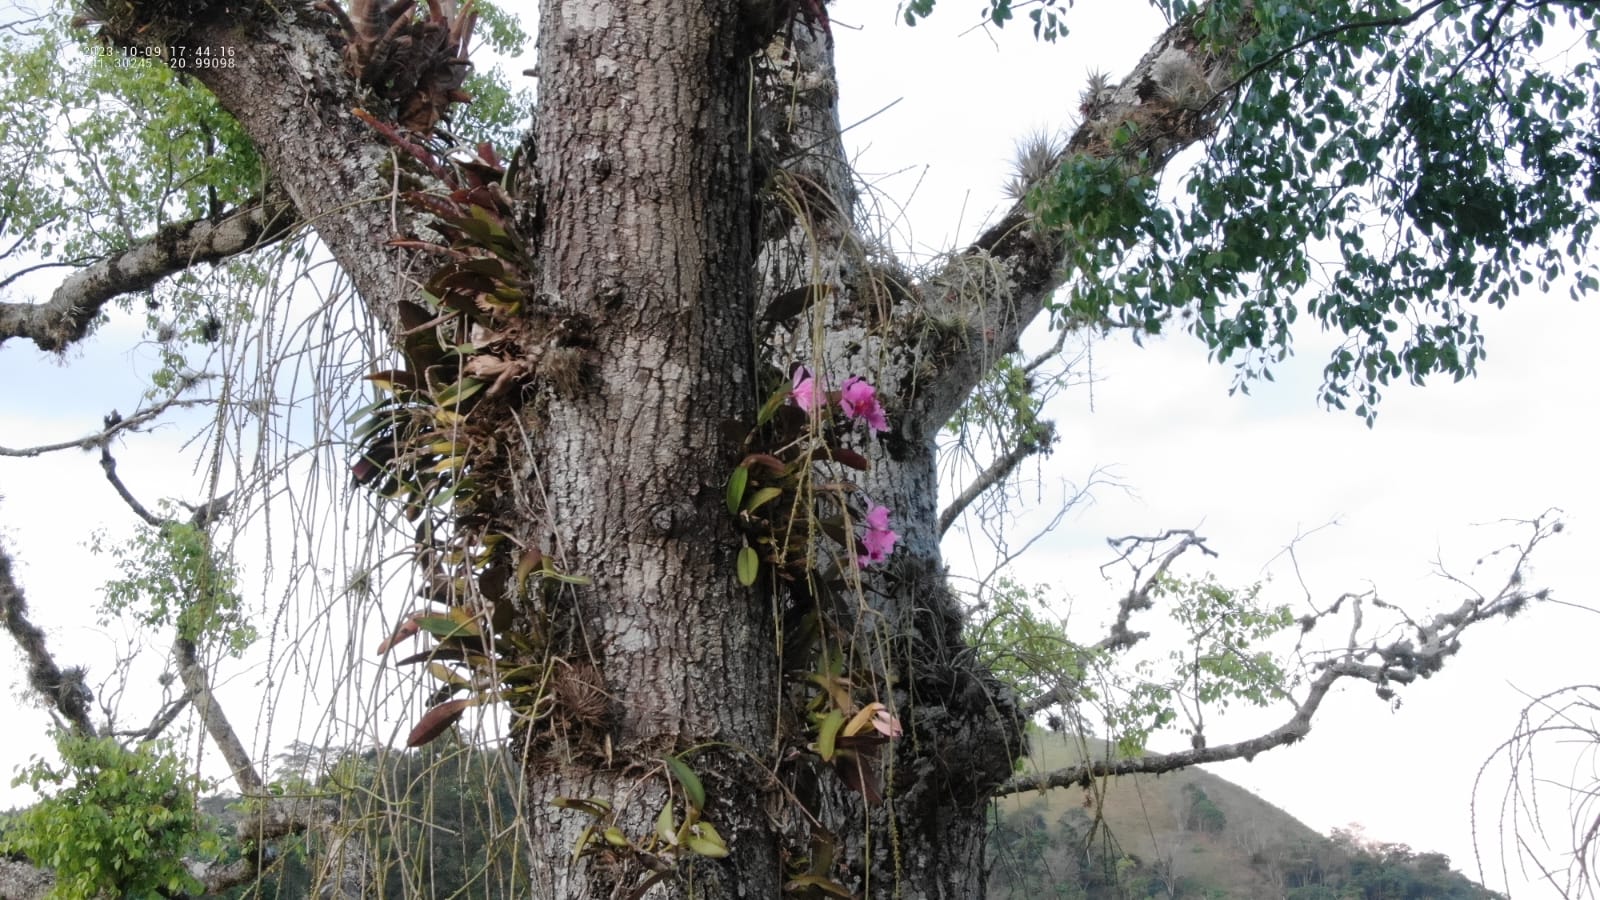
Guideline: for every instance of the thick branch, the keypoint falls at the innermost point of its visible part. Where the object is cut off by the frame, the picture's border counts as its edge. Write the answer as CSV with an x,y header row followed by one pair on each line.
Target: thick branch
x,y
67,316
198,686
1298,726
289,90
1028,260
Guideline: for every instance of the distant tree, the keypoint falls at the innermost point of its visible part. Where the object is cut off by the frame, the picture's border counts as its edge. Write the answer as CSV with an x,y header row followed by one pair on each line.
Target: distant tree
x,y
1390,871
1200,813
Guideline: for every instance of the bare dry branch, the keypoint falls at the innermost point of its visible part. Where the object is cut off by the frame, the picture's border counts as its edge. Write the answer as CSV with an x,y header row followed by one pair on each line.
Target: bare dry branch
x,y
114,425
158,723
1385,664
108,464
1138,598
1120,637
67,316
993,475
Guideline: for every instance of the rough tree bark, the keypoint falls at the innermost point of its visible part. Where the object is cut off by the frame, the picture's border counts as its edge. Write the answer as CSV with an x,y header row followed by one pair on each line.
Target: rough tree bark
x,y
648,201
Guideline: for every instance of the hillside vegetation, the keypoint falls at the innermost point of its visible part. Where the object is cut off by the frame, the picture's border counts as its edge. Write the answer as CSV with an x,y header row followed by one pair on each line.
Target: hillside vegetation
x,y
1189,834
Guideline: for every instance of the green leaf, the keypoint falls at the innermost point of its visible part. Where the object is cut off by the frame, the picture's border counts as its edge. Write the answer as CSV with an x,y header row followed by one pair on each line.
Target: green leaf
x,y
736,485
704,840
762,496
553,575
826,885
444,627
447,675
594,806
456,393
693,791
749,565
773,404
448,464
664,829
582,844
828,734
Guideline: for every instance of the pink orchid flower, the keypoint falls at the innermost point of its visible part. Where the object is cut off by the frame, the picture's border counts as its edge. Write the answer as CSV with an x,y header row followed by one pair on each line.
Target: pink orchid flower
x,y
859,400
879,538
804,392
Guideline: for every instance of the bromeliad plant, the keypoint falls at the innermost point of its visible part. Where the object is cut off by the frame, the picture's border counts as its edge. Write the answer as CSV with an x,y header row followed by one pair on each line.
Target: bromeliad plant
x,y
476,336
476,653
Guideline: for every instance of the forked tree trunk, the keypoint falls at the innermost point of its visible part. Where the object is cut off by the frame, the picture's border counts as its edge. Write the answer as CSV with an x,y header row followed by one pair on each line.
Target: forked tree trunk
x,y
660,239
687,187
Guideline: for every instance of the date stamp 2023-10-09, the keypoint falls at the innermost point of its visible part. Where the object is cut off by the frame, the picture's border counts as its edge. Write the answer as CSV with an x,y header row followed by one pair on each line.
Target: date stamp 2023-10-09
x,y
174,56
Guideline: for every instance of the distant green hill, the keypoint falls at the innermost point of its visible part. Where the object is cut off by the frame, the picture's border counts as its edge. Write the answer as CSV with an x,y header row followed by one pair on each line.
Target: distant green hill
x,y
1188,834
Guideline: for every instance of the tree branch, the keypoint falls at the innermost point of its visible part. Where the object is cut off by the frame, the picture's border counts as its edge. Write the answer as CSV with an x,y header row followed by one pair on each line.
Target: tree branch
x,y
1138,599
166,716
114,425
198,687
289,90
67,316
1399,662
1028,259
108,464
993,475
59,689
1120,637
1298,726
196,681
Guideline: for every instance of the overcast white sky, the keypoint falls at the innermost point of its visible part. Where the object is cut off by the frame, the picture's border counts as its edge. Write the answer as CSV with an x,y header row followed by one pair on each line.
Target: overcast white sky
x,y
1250,472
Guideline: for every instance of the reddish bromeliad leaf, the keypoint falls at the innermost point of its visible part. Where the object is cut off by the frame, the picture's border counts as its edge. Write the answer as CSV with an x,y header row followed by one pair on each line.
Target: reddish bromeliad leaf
x,y
437,721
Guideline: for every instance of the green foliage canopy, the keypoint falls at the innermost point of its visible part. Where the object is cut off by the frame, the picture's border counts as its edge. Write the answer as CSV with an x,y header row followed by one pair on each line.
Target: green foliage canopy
x,y
1381,167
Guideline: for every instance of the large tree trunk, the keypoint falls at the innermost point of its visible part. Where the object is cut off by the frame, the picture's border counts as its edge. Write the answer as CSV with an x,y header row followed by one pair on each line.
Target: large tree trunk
x,y
642,133
648,200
